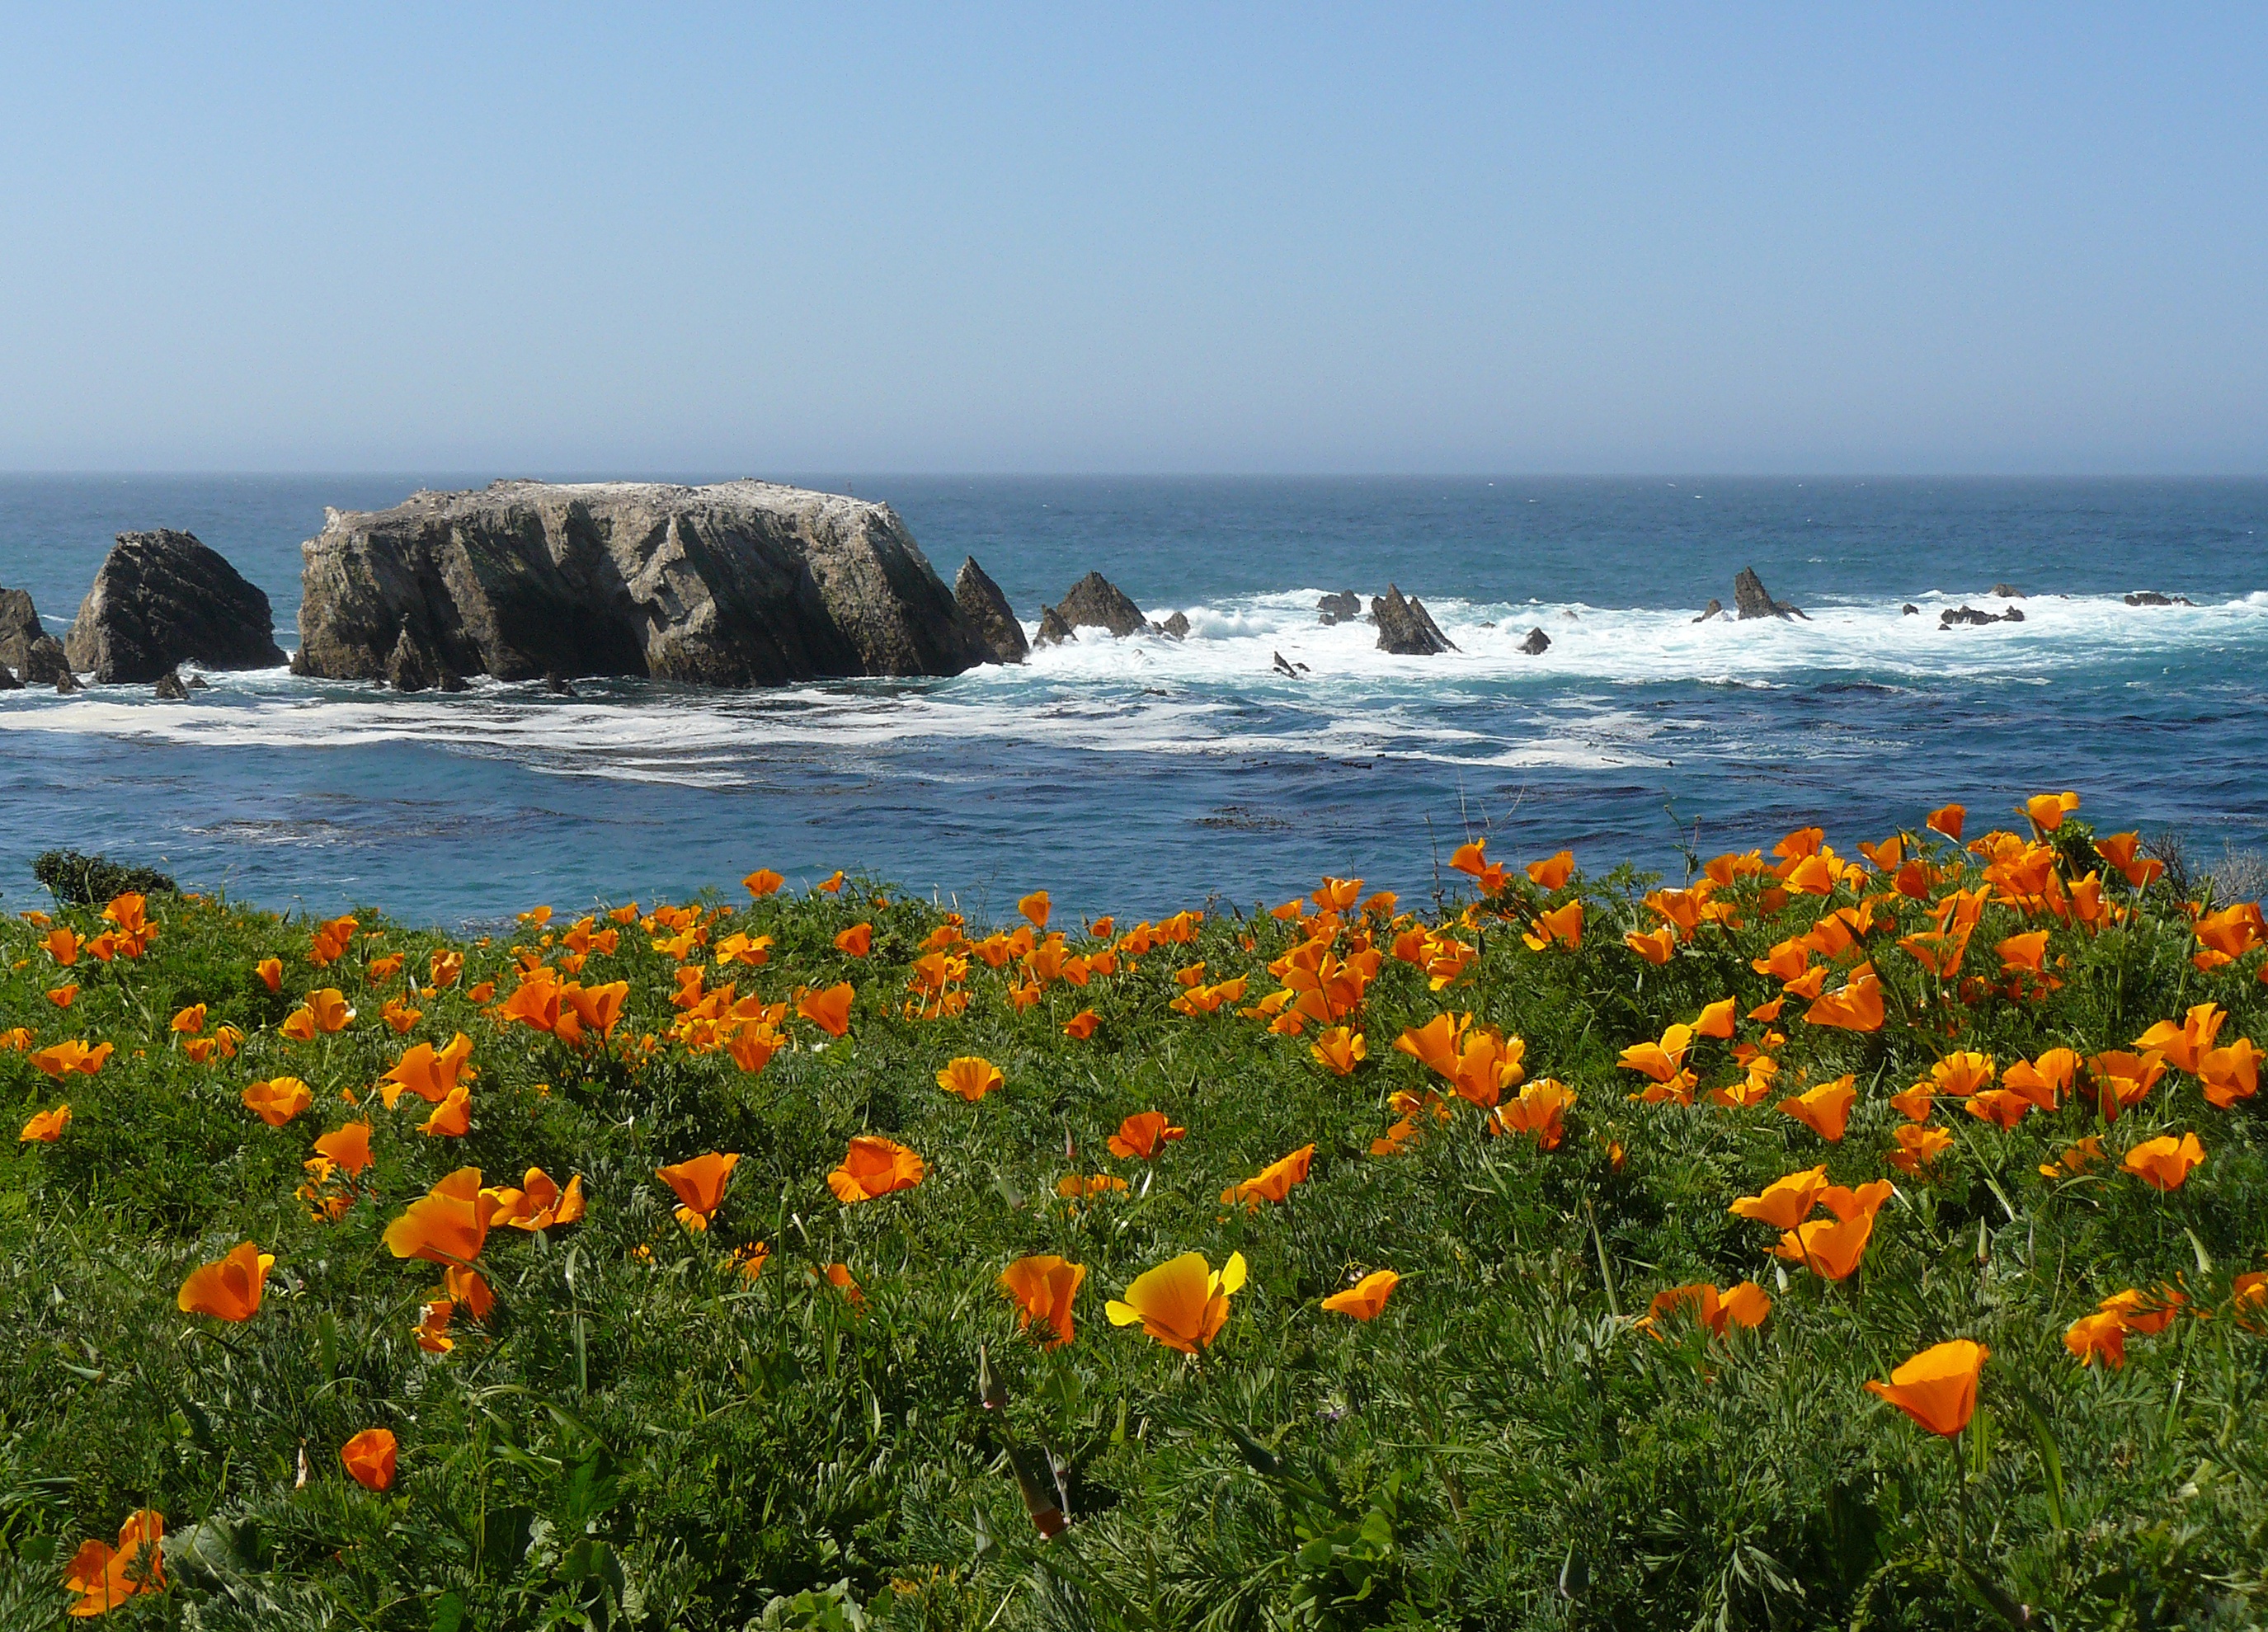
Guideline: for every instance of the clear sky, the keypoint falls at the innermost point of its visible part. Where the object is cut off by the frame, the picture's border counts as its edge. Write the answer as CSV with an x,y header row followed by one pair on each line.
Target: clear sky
x,y
1174,239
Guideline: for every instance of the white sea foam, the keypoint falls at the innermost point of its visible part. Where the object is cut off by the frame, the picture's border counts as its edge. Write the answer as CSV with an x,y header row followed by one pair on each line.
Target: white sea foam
x,y
1218,691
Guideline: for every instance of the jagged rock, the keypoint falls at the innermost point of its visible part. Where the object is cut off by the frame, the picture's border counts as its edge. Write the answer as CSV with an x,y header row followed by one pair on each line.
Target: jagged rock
x,y
8,680
739,584
198,682
984,604
1909,611
1342,608
1751,599
1954,616
414,665
163,599
1405,628
169,688
1175,627
1095,602
44,663
555,684
67,682
1714,609
2152,598
20,629
2011,614
1053,630
1284,666
1536,643
2007,591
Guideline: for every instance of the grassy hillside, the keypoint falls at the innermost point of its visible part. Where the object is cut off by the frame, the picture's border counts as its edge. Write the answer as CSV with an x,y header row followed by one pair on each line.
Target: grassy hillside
x,y
814,1411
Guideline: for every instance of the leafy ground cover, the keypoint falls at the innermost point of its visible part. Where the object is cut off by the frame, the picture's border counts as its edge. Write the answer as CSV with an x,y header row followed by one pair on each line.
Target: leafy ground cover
x,y
827,1261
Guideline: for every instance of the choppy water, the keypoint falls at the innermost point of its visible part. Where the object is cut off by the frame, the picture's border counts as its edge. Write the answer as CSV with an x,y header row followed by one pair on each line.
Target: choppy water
x,y
1144,773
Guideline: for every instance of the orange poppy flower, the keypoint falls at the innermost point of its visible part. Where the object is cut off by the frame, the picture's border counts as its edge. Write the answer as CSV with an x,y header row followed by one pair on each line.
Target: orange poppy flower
x,y
429,1074
1745,1305
762,882
2229,1074
2022,953
2164,1162
229,1289
831,885
1947,819
1182,1303
1471,859
1552,872
970,1078
700,1186
2044,1081
1830,1247
329,1010
1825,1109
857,940
2121,850
448,1224
1656,947
46,1127
432,1329
62,944
1715,1020
1273,1182
451,1119
1044,1288
1562,926
221,1045
1857,1007
61,1060
830,1010
1339,1051
278,1101
1787,1201
2076,1159
1142,1134
1918,1147
1937,1388
1366,1297
2185,1044
2001,1107
540,1203
1036,907
874,1167
105,1578
2048,810
2122,1079
271,971
1081,1187
369,1458
189,1021
347,1146
1536,1110
1963,1073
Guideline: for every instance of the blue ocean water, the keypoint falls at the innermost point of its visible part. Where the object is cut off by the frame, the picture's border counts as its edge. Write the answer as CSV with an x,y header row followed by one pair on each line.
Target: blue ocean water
x,y
1142,776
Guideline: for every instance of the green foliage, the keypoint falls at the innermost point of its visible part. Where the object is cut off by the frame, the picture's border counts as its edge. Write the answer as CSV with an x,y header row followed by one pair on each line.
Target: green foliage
x,y
641,1436
76,881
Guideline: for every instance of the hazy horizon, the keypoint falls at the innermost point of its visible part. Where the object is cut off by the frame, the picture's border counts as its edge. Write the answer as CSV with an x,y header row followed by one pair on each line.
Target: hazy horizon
x,y
1637,239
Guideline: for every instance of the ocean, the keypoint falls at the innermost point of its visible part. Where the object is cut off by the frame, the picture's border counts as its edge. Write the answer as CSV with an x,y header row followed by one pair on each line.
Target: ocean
x,y
1141,775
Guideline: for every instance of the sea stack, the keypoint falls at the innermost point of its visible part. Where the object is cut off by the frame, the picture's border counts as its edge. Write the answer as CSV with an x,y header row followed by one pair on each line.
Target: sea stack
x,y
738,584
984,604
1405,628
164,599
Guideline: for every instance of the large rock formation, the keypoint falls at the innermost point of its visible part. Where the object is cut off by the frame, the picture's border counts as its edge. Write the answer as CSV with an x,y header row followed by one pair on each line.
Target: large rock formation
x,y
984,604
163,599
1751,599
1095,602
19,629
1405,628
740,583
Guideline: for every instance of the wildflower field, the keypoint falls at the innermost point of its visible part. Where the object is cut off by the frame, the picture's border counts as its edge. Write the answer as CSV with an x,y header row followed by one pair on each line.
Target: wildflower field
x,y
1868,1240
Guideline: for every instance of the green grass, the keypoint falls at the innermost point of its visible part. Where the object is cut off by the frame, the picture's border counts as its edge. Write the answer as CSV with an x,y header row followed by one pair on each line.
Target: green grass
x,y
640,1437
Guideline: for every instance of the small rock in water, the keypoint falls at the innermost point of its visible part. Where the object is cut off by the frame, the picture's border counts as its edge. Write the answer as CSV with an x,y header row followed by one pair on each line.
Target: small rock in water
x,y
1175,627
2152,598
1954,616
67,683
1053,630
1405,628
2007,591
169,688
1714,609
1909,610
556,683
1751,599
44,663
198,682
1342,608
8,680
1571,615
1095,602
1284,666
1536,643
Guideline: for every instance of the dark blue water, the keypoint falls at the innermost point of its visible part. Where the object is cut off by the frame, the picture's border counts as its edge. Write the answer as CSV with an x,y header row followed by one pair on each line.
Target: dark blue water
x,y
1142,776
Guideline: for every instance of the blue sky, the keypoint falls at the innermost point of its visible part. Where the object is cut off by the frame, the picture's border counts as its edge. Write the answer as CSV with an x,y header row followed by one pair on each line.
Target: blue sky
x,y
1165,238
